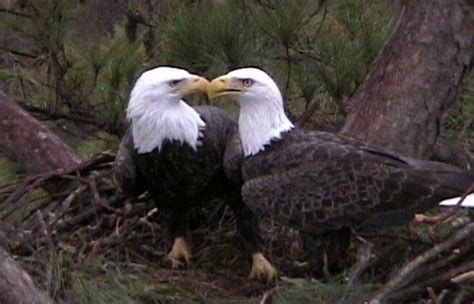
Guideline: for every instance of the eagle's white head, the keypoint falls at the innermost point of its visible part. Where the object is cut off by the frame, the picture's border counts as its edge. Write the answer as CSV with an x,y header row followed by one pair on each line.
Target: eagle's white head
x,y
157,111
262,117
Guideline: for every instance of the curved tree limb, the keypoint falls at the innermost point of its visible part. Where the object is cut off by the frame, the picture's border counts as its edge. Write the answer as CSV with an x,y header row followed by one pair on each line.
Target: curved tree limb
x,y
24,139
405,275
16,285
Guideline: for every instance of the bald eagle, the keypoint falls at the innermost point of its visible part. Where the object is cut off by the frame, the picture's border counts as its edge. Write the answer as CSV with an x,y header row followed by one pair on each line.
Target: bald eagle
x,y
320,182
176,152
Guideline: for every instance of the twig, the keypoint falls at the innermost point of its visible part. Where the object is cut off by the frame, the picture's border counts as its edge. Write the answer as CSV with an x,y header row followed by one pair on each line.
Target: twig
x,y
451,259
314,105
461,297
270,295
66,204
365,256
437,299
435,281
288,78
144,220
25,187
98,200
52,115
18,53
44,230
15,13
465,279
406,272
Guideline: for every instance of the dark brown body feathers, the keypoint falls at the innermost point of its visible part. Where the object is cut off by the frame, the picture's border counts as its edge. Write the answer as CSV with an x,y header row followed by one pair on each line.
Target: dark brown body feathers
x,y
177,174
317,181
180,178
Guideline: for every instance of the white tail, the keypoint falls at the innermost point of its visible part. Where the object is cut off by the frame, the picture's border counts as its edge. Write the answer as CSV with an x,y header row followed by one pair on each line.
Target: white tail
x,y
468,202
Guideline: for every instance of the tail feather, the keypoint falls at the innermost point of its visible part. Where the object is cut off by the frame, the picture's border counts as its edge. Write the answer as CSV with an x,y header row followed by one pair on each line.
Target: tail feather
x,y
467,203
453,186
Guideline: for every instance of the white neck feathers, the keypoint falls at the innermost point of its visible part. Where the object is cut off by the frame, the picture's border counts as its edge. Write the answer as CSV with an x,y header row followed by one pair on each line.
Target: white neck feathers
x,y
262,121
161,120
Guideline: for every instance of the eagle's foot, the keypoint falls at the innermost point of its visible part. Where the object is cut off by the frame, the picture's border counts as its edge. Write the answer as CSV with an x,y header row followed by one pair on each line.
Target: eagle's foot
x,y
180,254
262,269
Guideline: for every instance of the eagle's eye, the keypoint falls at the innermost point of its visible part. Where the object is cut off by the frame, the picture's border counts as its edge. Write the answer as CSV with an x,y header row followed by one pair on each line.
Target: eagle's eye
x,y
247,82
174,83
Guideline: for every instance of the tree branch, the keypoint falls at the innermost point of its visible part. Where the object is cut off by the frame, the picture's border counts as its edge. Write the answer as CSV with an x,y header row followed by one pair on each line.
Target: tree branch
x,y
15,13
32,145
405,275
16,286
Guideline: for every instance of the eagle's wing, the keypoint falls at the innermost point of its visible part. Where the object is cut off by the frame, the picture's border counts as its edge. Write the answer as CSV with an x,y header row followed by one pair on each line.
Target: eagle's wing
x,y
322,184
125,173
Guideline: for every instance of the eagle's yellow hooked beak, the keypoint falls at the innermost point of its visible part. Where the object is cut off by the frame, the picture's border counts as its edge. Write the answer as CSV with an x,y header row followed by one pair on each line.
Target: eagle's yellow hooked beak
x,y
223,86
193,85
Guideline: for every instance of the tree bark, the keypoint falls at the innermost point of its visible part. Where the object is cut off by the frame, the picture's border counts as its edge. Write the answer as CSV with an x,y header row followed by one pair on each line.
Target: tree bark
x,y
416,77
455,154
16,285
32,145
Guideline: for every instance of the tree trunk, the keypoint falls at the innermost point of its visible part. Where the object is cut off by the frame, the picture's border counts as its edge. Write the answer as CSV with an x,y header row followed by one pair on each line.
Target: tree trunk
x,y
27,141
16,285
415,78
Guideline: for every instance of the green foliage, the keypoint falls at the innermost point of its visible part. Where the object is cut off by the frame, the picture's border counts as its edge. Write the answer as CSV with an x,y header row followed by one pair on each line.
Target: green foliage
x,y
47,27
306,291
210,38
285,21
67,76
315,49
122,61
56,272
43,35
98,281
89,147
311,47
348,42
459,123
8,172
93,290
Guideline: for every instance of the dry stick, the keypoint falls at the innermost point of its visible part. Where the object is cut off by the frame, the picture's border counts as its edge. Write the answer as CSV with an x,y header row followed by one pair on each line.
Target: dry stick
x,y
15,13
38,180
314,105
430,269
268,297
364,258
29,184
66,204
113,238
437,299
402,278
44,230
461,297
433,282
466,283
466,278
98,200
8,188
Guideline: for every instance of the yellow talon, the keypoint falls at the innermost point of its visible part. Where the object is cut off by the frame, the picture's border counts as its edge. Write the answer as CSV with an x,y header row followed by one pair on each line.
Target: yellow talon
x,y
179,253
262,269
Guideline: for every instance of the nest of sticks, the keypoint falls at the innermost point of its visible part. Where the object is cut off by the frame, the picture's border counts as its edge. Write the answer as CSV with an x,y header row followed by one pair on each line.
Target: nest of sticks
x,y
84,215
